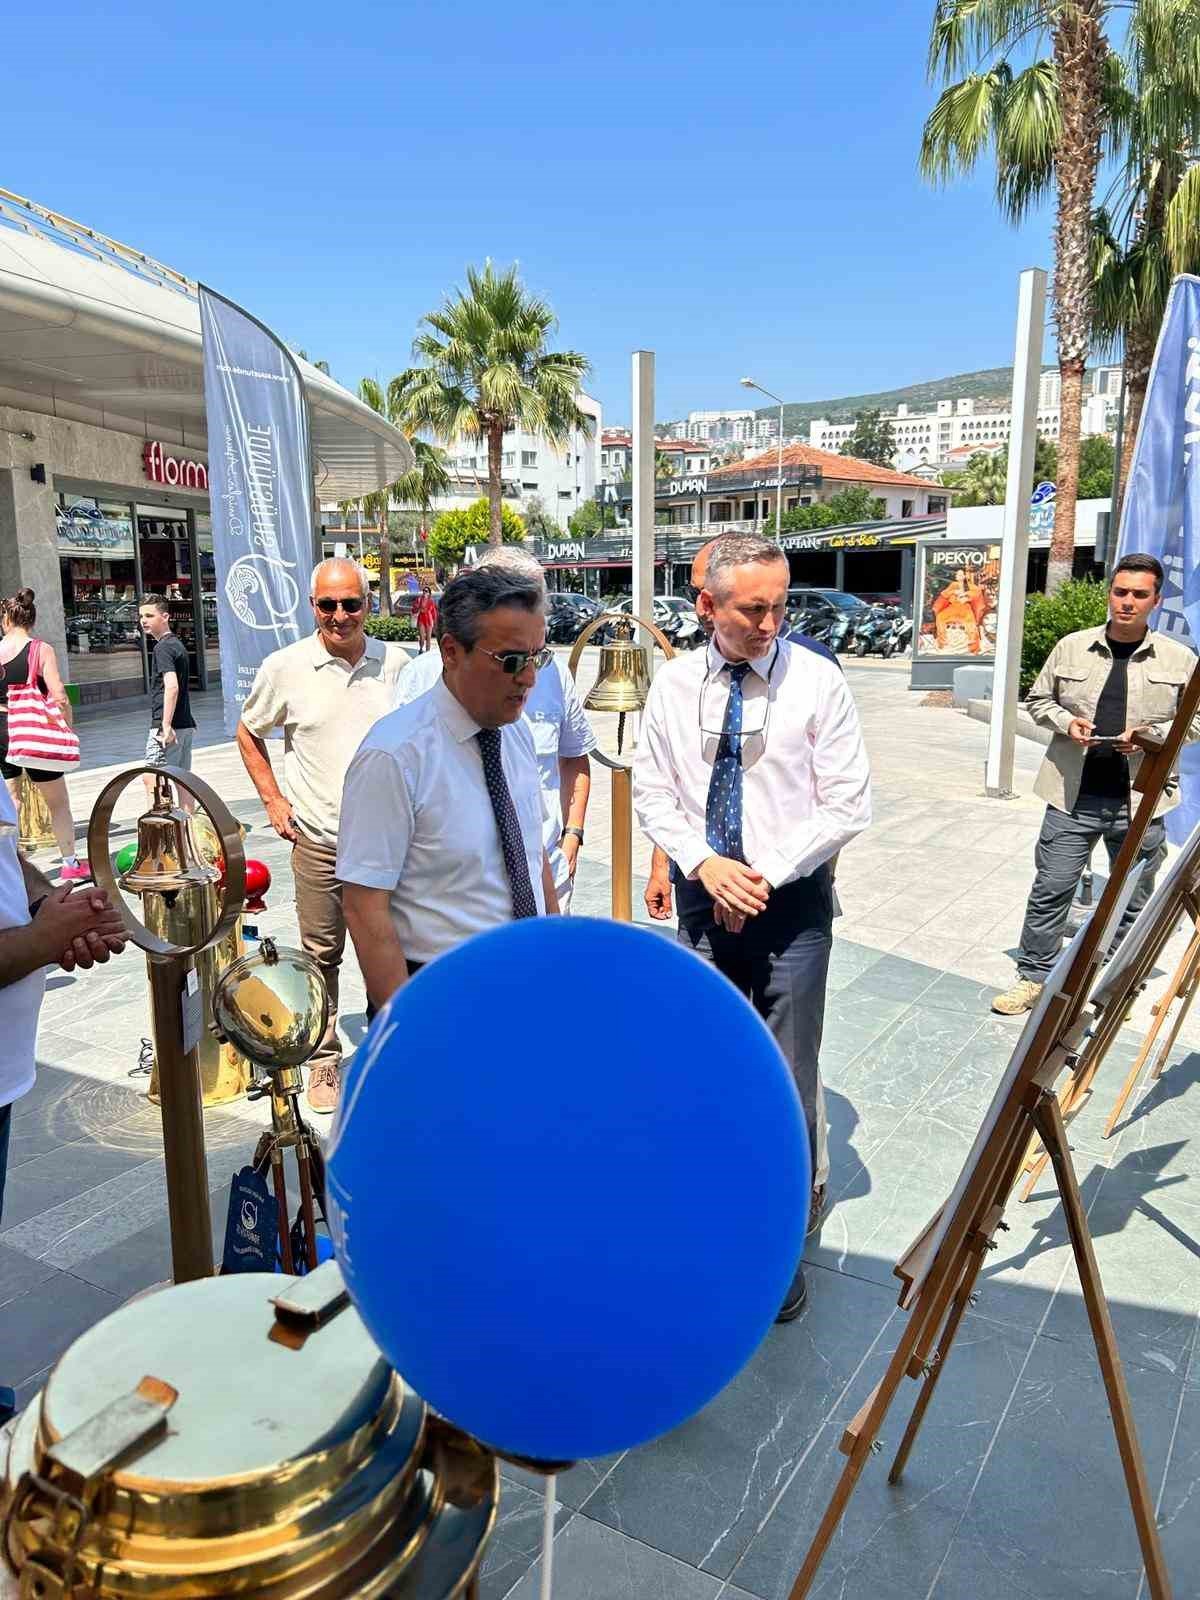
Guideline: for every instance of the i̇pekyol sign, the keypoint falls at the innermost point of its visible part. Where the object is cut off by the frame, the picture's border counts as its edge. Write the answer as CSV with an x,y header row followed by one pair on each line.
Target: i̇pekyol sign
x,y
178,472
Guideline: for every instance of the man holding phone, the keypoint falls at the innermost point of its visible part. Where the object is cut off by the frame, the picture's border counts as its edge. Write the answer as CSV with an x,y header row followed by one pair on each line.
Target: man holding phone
x,y
1098,689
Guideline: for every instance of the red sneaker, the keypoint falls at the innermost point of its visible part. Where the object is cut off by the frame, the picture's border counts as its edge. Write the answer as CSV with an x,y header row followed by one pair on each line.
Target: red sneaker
x,y
80,872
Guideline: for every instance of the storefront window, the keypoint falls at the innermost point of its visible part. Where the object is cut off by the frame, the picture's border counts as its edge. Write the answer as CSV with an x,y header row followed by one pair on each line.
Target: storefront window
x,y
98,571
165,551
208,592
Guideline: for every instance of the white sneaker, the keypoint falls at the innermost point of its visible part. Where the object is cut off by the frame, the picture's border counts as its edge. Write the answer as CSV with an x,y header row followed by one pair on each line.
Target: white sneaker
x,y
1023,996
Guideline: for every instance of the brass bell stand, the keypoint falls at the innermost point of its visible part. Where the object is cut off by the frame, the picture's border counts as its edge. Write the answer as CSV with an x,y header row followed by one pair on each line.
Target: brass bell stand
x,y
168,867
622,685
34,830
274,1007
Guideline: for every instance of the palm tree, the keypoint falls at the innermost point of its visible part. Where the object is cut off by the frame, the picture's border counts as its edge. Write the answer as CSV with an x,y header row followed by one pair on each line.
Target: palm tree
x,y
983,482
664,465
418,487
1044,125
427,478
1150,228
484,370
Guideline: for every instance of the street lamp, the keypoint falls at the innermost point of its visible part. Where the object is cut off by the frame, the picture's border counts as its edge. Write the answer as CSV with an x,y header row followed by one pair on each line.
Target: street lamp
x,y
749,383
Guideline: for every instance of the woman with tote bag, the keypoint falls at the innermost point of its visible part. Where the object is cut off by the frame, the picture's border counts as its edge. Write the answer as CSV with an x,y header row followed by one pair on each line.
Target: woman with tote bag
x,y
36,724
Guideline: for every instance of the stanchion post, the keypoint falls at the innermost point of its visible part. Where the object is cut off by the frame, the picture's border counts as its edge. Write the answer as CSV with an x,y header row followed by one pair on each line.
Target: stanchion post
x,y
182,1113
622,844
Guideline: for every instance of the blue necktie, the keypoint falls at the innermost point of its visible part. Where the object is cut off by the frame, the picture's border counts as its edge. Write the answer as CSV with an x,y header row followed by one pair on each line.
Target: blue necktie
x,y
723,812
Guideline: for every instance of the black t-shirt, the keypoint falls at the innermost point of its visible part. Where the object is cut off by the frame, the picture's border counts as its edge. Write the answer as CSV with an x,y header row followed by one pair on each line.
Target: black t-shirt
x,y
1105,773
170,655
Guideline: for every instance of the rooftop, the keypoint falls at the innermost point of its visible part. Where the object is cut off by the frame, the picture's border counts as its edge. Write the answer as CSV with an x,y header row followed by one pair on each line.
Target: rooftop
x,y
848,468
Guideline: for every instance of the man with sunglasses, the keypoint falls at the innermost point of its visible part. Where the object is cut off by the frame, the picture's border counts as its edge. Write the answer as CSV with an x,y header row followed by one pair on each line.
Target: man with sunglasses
x,y
326,692
562,736
751,774
442,810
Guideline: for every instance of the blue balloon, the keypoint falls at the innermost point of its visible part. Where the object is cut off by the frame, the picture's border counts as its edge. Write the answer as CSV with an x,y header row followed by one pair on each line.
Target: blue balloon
x,y
568,1185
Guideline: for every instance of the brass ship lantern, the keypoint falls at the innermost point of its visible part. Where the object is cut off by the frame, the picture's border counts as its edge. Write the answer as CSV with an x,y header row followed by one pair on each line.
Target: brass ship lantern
x,y
622,685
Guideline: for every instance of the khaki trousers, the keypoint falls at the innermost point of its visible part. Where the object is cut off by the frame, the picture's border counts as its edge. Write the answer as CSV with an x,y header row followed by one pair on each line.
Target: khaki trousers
x,y
322,928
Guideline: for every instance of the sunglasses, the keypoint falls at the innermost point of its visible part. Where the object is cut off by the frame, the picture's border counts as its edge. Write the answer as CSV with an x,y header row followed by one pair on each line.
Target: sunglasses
x,y
351,605
514,661
692,590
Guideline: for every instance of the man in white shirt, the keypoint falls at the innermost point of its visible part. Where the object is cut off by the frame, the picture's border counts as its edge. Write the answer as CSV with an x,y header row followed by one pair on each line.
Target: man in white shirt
x,y
325,692
441,834
751,774
562,737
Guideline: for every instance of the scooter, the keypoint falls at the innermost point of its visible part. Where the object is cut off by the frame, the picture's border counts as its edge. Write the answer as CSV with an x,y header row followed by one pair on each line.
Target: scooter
x,y
900,638
688,634
873,631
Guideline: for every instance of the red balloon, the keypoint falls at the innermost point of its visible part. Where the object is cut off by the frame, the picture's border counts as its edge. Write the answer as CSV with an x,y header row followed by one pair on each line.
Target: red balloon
x,y
258,881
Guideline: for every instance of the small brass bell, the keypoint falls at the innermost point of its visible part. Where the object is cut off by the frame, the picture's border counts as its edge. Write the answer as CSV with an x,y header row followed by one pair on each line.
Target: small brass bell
x,y
168,859
623,682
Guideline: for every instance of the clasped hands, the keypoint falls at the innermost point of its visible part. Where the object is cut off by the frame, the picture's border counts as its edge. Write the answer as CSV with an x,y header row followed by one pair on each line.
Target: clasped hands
x,y
78,927
1083,733
738,891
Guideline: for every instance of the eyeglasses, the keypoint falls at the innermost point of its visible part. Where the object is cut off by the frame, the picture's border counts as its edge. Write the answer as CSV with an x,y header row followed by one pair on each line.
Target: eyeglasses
x,y
350,604
514,661
692,590
756,710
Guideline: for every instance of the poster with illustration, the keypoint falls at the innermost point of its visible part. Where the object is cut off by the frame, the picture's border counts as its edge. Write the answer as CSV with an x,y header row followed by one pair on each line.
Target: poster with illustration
x,y
957,603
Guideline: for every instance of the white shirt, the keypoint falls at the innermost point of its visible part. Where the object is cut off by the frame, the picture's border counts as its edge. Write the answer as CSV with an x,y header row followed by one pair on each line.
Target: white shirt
x,y
559,725
806,787
325,707
417,821
20,1002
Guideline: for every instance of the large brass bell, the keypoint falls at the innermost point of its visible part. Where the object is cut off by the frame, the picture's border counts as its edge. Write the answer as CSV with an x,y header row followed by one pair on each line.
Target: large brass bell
x,y
167,857
623,682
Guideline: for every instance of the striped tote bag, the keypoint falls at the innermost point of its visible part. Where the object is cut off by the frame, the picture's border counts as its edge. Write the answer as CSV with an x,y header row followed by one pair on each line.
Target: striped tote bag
x,y
38,733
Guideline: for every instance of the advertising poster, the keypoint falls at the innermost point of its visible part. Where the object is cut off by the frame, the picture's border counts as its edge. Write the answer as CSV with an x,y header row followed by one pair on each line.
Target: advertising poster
x,y
956,606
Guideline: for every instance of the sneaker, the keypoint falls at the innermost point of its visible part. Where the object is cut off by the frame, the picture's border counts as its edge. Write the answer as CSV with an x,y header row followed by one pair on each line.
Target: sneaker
x,y
76,874
816,1211
324,1081
1023,996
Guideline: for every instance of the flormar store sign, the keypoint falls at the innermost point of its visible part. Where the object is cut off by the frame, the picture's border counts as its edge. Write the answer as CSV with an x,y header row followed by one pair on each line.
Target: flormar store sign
x,y
177,472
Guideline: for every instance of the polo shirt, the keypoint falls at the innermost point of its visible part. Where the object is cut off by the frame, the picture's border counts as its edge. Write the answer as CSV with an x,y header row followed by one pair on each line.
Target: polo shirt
x,y
20,1002
326,708
417,821
559,726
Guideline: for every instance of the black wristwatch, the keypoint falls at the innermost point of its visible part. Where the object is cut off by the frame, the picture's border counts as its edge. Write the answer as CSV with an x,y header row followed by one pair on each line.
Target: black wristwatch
x,y
578,832
35,904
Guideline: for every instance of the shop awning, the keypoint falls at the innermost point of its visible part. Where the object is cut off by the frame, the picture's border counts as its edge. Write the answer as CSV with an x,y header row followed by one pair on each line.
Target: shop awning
x,y
95,333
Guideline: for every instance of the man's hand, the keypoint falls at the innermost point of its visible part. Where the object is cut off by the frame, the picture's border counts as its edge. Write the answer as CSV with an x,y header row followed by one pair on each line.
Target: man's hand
x,y
78,928
569,844
731,921
1125,745
733,885
279,815
658,887
1081,730
166,737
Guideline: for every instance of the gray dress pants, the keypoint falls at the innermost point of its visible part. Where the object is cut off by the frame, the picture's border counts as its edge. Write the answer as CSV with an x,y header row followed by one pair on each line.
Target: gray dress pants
x,y
1063,849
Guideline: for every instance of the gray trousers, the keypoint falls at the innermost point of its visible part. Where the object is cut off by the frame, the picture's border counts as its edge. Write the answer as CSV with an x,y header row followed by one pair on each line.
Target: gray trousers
x,y
780,962
322,928
1064,848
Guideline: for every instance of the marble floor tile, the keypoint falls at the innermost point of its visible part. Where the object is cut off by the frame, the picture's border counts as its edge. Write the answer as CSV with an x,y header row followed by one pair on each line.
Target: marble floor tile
x,y
516,1540
38,1325
595,1562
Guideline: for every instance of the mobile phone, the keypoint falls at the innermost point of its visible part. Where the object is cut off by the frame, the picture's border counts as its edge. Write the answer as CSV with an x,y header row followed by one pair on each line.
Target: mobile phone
x,y
1106,738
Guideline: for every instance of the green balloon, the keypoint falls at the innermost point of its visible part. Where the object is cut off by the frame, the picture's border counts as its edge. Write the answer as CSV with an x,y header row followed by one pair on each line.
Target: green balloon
x,y
126,856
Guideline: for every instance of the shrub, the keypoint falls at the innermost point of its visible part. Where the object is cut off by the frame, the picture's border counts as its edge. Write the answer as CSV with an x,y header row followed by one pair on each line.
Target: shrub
x,y
1082,603
392,630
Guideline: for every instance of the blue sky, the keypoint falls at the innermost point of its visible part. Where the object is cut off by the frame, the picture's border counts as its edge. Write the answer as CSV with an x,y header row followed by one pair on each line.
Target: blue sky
x,y
733,186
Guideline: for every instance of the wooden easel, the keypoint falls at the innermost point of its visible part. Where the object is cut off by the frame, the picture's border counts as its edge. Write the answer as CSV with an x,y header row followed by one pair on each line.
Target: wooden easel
x,y
939,1270
1176,897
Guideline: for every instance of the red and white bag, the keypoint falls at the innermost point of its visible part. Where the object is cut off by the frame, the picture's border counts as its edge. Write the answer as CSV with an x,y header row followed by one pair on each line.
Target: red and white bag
x,y
38,733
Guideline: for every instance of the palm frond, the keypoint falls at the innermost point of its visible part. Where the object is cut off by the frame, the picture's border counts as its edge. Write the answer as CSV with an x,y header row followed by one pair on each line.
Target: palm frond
x,y
963,124
968,32
1182,232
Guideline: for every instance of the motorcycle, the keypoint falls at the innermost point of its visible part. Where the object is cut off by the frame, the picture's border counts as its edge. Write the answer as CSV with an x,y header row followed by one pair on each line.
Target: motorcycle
x,y
900,638
688,634
872,633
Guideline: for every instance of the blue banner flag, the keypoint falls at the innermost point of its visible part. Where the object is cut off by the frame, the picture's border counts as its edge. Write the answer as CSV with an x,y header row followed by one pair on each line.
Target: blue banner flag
x,y
1161,514
261,485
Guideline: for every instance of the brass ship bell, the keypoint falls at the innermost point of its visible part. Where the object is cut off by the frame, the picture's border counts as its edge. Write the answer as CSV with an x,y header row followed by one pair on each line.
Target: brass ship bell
x,y
176,872
623,682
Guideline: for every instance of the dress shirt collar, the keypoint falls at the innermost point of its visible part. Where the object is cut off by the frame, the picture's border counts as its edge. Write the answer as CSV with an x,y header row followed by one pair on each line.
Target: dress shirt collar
x,y
454,714
321,657
761,665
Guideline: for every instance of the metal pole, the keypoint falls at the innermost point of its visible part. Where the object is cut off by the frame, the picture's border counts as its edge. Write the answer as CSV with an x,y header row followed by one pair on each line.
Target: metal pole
x,y
182,1125
779,499
643,484
622,842
1114,516
1014,558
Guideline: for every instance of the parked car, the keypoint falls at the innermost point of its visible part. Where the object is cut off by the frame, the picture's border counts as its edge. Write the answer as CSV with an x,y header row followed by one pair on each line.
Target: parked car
x,y
828,601
672,613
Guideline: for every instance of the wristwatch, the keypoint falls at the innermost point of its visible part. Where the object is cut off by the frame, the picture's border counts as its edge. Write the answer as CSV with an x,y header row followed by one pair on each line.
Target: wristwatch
x,y
578,832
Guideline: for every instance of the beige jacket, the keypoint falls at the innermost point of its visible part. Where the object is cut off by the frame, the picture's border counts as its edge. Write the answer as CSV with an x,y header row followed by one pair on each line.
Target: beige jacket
x,y
1069,686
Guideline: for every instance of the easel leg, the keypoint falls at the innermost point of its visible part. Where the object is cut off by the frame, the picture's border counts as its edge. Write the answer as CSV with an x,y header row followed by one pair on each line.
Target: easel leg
x,y
285,1232
1164,1055
933,1369
1047,1117
306,1201
1185,975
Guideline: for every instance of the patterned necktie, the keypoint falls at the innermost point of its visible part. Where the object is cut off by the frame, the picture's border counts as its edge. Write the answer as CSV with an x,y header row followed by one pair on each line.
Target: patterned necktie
x,y
723,812
511,842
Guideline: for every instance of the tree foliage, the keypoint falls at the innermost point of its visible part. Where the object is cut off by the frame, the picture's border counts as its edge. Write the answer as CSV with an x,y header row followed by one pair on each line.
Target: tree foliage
x,y
589,521
873,439
842,510
1096,457
1079,603
453,531
484,369
539,524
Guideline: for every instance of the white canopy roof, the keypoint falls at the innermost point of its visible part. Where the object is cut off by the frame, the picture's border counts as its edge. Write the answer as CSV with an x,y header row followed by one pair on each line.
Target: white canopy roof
x,y
108,336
